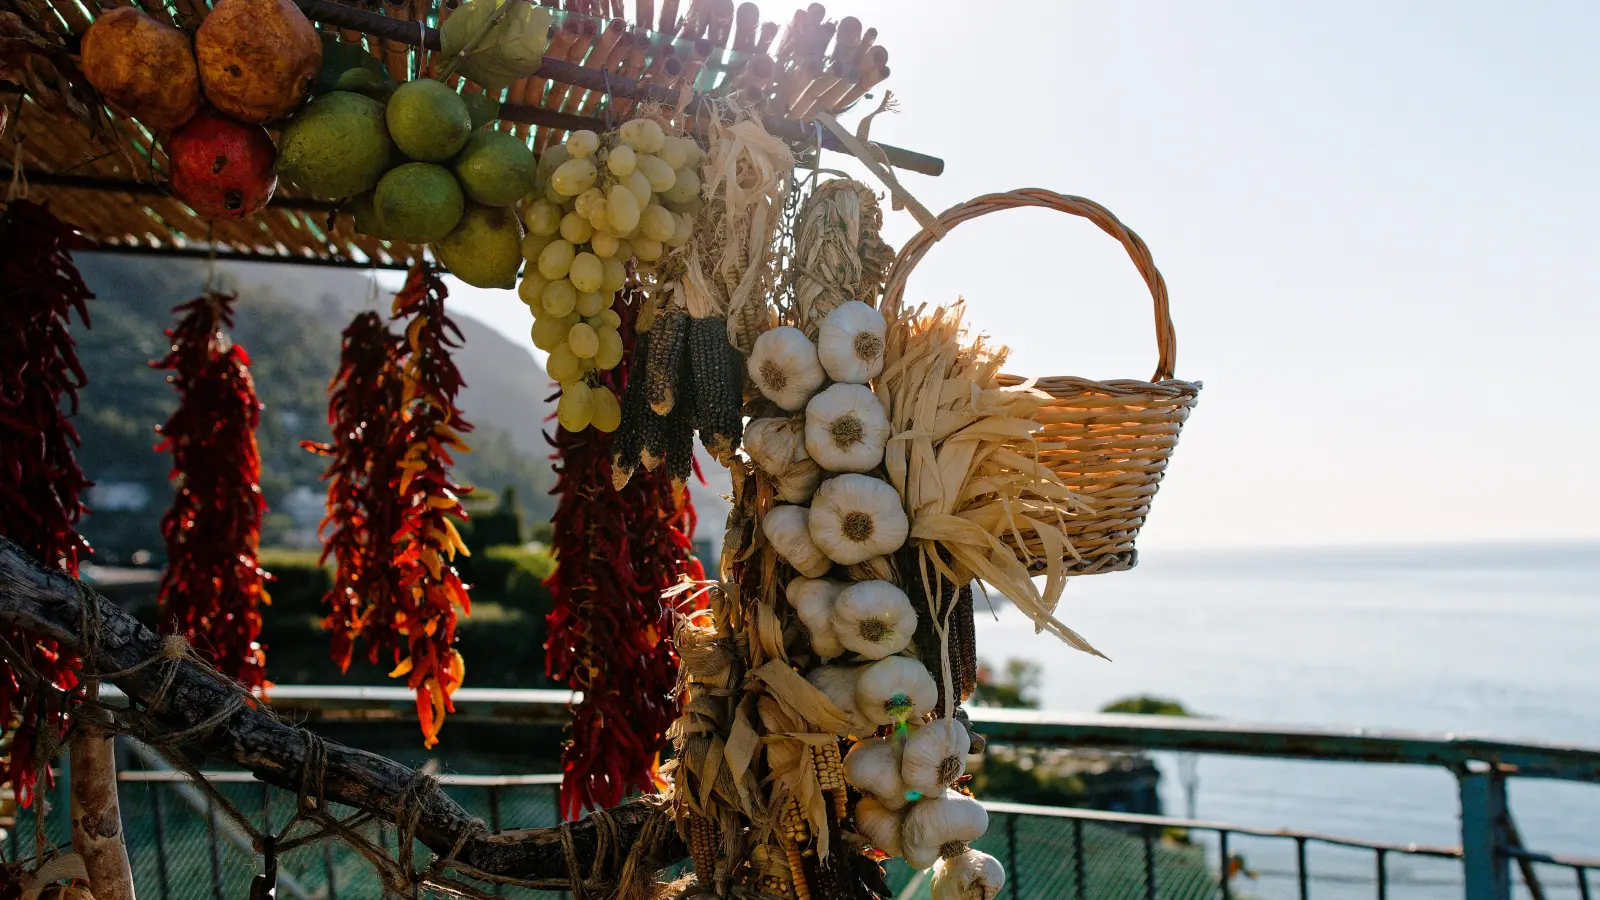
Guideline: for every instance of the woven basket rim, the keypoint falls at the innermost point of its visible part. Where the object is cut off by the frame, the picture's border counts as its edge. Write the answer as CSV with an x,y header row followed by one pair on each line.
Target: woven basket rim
x,y
1051,384
916,248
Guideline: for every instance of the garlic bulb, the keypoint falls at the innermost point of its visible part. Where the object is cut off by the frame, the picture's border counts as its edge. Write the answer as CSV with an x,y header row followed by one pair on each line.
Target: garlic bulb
x,y
935,756
941,823
873,767
917,857
873,618
879,824
778,446
973,875
895,689
838,683
856,517
787,527
813,601
850,343
784,365
846,428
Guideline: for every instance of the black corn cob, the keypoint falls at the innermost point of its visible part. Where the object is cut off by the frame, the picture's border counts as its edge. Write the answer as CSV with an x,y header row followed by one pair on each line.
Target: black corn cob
x,y
926,638
629,437
963,645
718,385
670,333
680,430
653,448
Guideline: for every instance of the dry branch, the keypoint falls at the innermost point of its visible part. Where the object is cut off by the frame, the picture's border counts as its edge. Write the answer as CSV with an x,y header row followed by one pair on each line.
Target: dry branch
x,y
51,604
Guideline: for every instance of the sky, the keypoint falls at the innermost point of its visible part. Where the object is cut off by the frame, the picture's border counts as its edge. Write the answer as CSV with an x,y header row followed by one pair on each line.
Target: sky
x,y
1374,220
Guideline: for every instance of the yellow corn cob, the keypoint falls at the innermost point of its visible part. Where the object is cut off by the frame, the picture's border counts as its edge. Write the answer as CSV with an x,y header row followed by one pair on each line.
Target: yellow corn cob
x,y
797,872
830,775
703,848
794,822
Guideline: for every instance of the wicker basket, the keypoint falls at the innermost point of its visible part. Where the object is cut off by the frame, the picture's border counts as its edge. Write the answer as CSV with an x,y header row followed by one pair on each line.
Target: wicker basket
x,y
1108,440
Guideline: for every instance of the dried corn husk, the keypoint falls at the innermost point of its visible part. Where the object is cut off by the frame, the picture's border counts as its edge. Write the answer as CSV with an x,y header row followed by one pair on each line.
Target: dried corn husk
x,y
838,253
963,457
744,179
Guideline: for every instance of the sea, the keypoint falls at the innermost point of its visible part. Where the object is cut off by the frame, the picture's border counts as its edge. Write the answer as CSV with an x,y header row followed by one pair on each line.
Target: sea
x,y
1495,640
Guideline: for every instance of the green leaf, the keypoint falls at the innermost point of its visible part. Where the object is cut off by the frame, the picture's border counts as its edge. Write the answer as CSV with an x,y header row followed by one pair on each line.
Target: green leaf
x,y
512,49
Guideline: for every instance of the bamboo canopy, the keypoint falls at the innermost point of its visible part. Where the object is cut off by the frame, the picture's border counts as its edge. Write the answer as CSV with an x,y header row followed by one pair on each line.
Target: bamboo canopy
x,y
106,173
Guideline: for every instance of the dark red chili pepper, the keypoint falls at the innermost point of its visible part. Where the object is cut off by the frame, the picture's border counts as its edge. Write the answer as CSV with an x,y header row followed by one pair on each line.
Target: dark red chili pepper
x,y
40,481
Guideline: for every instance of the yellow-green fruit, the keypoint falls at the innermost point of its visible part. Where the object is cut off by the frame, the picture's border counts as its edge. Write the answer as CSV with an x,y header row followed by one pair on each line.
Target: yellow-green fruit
x,y
657,223
582,143
555,259
583,341
558,298
428,121
484,250
598,218
550,161
621,161
552,195
575,229
604,244
647,249
612,318
614,277
584,203
336,147
542,217
548,333
590,303
493,168
605,412
682,230
531,291
586,272
674,153
643,135
573,177
576,407
639,187
622,210
533,245
561,365
609,352
420,202
685,187
362,210
660,175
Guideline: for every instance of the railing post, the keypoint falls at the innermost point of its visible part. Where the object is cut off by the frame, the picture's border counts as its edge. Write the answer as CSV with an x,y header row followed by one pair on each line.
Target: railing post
x,y
1483,834
1013,870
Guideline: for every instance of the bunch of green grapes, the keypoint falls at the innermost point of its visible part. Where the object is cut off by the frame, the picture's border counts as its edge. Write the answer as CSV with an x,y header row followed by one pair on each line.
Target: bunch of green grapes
x,y
603,202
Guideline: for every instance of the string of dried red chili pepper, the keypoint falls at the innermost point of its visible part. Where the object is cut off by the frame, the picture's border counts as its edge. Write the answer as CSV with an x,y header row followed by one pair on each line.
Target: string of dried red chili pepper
x,y
213,588
363,404
40,482
608,631
425,541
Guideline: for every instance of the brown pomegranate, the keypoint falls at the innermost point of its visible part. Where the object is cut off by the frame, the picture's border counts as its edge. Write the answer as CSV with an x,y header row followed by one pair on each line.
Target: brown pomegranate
x,y
143,68
258,58
222,168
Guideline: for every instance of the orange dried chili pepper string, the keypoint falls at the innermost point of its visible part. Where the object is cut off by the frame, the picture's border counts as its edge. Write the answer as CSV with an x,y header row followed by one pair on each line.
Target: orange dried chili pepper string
x,y
425,542
213,588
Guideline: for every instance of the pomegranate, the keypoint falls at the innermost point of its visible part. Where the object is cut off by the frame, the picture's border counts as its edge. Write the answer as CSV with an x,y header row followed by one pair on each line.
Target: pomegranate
x,y
222,168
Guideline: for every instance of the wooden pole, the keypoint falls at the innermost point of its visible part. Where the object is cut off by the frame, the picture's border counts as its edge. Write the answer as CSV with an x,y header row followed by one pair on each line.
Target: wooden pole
x,y
96,816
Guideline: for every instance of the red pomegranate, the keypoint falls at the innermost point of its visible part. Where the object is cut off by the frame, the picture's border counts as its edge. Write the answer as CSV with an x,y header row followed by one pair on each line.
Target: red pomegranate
x,y
221,167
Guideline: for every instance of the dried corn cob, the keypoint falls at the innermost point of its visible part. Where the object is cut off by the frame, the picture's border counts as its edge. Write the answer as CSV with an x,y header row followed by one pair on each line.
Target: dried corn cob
x,y
680,430
718,384
703,848
832,880
630,434
792,823
797,870
671,330
963,646
772,869
830,775
653,446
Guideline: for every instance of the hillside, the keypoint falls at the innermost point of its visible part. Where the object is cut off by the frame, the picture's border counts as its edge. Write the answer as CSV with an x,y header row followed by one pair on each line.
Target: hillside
x,y
289,320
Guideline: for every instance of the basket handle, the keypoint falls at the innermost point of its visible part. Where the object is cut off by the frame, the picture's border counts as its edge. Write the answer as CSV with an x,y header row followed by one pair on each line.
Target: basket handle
x,y
918,246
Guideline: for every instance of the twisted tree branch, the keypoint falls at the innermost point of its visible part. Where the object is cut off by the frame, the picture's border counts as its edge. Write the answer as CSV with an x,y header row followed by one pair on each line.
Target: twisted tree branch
x,y
50,603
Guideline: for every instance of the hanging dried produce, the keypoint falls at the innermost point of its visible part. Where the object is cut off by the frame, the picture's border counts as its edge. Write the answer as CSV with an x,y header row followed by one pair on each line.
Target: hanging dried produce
x,y
424,541
213,588
617,549
40,482
363,403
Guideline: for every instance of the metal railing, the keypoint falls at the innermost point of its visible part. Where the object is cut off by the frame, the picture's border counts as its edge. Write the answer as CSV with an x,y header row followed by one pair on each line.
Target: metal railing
x,y
1069,843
